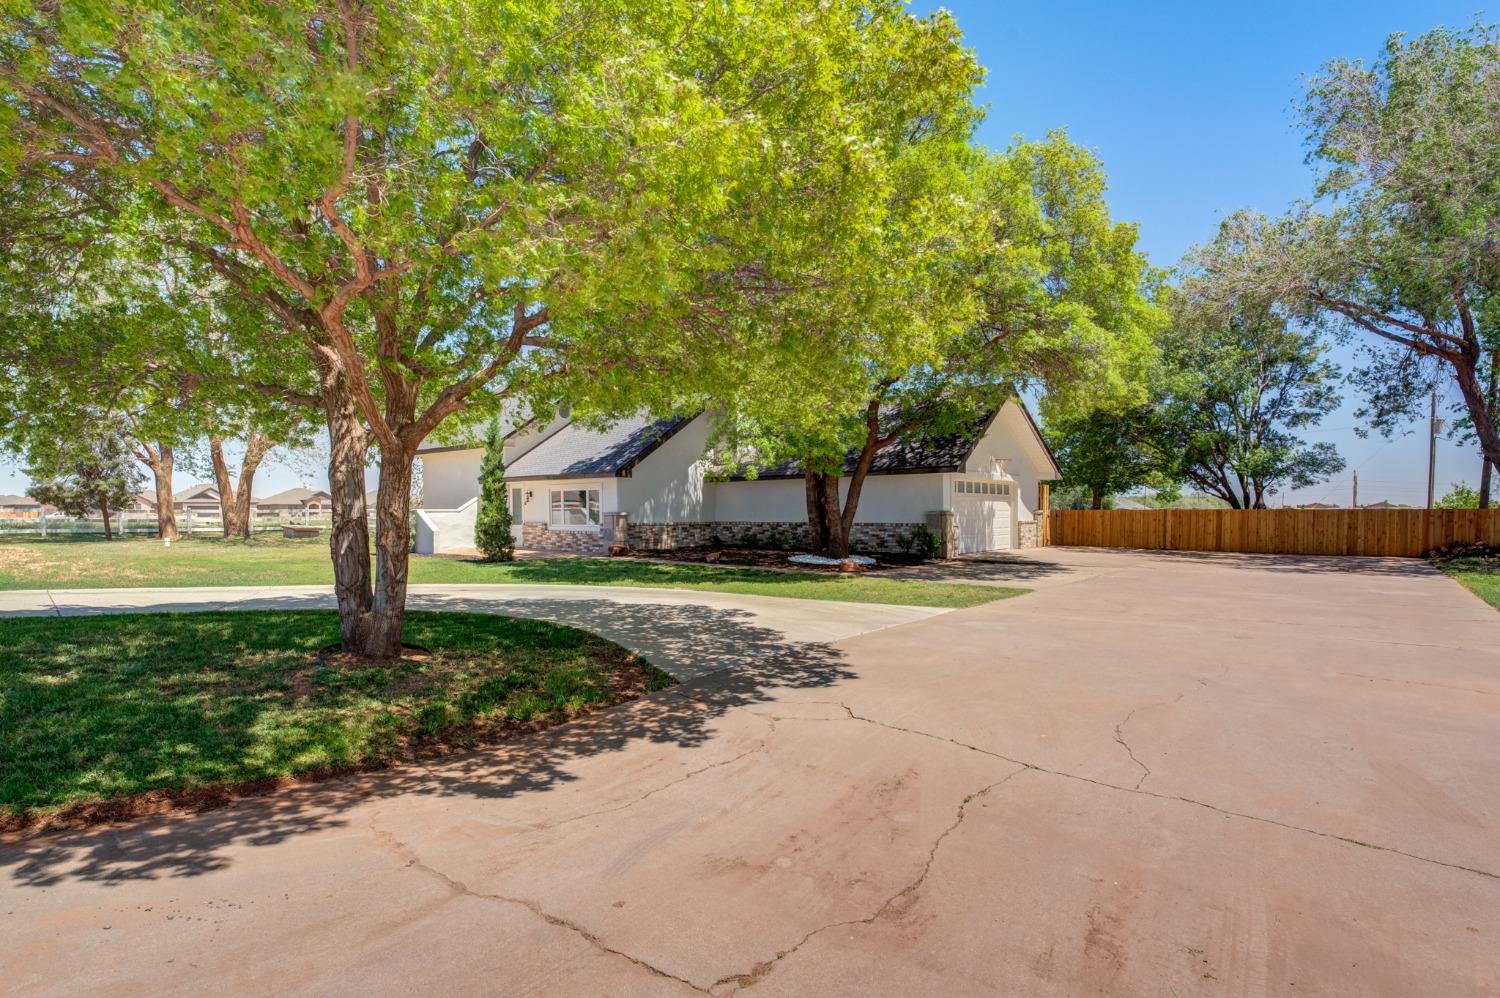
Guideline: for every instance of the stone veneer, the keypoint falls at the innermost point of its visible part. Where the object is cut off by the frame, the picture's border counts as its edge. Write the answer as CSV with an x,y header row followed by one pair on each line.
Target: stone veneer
x,y
1028,534
666,536
878,537
540,537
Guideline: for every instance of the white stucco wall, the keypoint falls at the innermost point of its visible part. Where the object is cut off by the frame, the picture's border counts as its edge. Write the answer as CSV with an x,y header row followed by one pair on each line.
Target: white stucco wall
x,y
884,499
450,478
668,485
1010,436
440,530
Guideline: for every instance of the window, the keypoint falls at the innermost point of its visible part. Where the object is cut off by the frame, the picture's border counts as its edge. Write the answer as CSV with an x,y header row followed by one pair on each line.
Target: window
x,y
574,508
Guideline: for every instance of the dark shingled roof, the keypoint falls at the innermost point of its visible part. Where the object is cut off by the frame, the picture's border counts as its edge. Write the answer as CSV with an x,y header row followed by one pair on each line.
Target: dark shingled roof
x,y
919,455
577,452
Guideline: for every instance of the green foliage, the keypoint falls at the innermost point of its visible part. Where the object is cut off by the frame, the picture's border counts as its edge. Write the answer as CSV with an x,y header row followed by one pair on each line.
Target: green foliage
x,y
1239,382
923,541
1400,250
1460,495
85,475
1107,451
493,524
440,206
1030,285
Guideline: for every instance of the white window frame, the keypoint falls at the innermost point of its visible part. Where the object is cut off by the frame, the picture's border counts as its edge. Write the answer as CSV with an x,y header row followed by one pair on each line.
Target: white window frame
x,y
593,502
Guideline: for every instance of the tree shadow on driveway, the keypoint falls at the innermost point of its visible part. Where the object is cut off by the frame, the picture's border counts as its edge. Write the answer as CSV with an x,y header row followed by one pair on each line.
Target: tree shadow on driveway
x,y
763,662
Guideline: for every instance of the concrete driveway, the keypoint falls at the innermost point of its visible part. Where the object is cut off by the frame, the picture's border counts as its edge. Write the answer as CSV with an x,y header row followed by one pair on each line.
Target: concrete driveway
x,y
1170,774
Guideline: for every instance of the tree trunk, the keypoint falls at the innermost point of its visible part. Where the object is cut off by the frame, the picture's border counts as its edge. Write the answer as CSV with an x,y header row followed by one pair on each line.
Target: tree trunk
x,y
838,534
234,499
1097,495
228,514
257,446
817,519
166,512
1487,467
392,554
1479,409
104,511
349,535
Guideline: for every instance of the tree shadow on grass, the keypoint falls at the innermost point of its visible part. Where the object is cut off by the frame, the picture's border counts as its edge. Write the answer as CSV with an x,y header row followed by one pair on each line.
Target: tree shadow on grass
x,y
763,663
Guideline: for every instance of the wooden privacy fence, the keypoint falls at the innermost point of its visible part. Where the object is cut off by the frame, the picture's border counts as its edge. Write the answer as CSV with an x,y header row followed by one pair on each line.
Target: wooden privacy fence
x,y
1407,533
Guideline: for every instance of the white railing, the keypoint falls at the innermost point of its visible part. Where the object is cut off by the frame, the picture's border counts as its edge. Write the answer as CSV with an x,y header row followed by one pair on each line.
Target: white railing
x,y
139,523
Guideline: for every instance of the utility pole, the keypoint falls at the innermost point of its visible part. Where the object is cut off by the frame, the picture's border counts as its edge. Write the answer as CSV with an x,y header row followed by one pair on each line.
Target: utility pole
x,y
1354,502
1432,436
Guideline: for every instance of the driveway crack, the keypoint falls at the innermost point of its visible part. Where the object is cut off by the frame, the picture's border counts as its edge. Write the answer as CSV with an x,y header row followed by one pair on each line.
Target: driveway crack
x,y
760,746
1120,728
898,903
459,888
1490,874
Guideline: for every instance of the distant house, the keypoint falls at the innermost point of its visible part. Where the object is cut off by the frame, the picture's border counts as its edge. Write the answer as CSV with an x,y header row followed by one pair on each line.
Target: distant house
x,y
298,500
199,499
1385,504
142,502
24,505
1319,505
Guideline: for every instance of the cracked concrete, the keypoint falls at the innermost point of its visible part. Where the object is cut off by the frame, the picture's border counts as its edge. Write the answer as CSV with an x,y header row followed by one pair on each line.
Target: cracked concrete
x,y
957,805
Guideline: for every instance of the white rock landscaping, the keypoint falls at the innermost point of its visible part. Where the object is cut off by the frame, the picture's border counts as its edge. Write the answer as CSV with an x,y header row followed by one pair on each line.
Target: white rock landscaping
x,y
817,559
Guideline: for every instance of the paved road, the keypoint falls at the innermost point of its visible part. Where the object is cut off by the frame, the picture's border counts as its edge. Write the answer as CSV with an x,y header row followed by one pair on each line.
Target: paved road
x,y
1175,774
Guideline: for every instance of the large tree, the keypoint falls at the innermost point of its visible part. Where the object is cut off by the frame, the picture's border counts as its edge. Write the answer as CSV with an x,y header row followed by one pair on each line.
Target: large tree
x,y
1107,450
1240,383
83,475
441,205
1043,290
94,339
1405,249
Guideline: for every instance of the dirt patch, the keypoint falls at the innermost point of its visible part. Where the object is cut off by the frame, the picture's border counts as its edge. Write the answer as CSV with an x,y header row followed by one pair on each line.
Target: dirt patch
x,y
334,657
631,678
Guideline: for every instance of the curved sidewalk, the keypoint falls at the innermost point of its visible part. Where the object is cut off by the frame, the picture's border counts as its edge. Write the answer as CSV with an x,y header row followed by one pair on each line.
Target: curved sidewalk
x,y
686,633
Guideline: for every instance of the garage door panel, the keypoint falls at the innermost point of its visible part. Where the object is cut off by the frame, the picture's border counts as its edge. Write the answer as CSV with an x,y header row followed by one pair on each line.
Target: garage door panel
x,y
983,511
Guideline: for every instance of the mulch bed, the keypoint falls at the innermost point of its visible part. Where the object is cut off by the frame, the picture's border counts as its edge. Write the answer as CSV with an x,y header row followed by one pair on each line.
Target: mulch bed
x,y
767,558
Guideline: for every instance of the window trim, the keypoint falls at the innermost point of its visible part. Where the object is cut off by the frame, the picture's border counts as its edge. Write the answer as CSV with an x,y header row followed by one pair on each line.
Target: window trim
x,y
597,488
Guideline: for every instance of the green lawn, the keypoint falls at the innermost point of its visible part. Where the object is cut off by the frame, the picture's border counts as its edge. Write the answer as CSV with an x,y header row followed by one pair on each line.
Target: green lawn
x,y
1480,575
270,561
97,708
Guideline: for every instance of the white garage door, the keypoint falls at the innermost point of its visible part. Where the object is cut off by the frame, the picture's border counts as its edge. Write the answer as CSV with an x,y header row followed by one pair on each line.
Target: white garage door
x,y
983,513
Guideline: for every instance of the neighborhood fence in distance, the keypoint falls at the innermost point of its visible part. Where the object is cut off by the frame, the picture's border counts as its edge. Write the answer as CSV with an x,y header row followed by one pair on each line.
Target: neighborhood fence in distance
x,y
1407,533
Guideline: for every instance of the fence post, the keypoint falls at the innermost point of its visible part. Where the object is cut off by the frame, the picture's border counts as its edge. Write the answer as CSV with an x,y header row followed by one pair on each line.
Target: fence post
x,y
1044,510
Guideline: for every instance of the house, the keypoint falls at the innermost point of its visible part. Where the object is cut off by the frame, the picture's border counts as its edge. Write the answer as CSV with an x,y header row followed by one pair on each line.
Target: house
x,y
142,502
202,500
24,506
647,482
298,500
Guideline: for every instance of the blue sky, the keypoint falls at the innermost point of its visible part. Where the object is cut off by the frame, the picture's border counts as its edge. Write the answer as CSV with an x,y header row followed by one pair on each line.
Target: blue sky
x,y
1190,107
